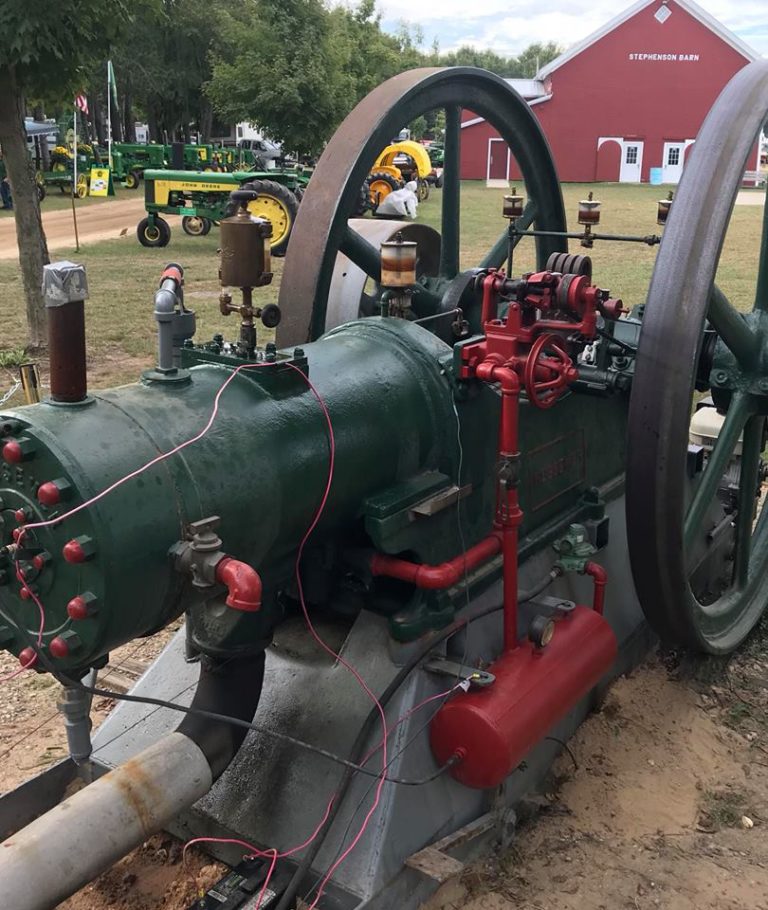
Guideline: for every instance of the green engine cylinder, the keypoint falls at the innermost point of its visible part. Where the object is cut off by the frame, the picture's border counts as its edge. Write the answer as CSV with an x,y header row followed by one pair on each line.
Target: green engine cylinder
x,y
261,468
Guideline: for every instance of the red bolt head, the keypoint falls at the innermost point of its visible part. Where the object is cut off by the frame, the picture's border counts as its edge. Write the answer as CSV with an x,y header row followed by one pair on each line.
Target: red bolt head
x,y
41,560
77,608
49,494
28,658
20,515
12,452
73,552
16,533
58,648
25,594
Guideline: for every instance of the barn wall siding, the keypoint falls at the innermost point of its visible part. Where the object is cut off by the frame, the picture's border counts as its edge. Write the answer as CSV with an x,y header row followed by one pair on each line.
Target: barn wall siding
x,y
609,89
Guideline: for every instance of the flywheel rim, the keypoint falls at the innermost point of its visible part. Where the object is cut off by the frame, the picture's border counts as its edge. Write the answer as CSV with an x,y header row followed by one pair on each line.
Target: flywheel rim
x,y
320,230
665,520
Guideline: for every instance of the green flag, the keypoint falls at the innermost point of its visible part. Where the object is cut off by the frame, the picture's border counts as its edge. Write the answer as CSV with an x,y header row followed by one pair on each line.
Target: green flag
x,y
111,84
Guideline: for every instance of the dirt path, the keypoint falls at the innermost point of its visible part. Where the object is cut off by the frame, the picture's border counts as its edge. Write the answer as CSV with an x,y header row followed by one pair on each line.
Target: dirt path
x,y
98,221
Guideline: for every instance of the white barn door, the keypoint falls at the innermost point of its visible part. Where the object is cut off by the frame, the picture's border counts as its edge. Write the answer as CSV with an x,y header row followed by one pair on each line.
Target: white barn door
x,y
674,159
631,161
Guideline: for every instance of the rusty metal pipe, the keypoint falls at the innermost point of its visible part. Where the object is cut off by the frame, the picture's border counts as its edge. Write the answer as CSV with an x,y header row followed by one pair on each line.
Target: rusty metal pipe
x,y
76,841
65,290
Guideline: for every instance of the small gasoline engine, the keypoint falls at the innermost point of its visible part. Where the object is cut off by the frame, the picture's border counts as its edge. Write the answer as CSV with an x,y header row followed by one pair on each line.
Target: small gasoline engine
x,y
420,531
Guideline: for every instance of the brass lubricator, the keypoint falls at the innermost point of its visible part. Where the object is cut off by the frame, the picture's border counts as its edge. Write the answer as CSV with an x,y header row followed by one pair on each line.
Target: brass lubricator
x,y
246,264
398,276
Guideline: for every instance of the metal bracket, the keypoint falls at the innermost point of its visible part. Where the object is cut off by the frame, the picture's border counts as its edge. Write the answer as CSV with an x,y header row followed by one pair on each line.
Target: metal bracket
x,y
442,500
444,667
554,604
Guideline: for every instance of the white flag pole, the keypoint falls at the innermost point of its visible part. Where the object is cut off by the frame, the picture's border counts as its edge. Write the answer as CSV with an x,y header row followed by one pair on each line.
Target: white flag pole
x,y
74,150
109,115
74,182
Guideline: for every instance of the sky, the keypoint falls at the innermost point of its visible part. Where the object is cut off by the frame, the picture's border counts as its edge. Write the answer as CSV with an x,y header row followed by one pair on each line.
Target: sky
x,y
508,26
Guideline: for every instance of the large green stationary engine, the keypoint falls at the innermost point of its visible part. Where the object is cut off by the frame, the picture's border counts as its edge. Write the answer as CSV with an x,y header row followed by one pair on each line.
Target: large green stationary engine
x,y
428,471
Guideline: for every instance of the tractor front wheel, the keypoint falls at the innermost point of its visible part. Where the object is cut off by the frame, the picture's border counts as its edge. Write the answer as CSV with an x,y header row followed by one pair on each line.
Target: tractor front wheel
x,y
422,192
41,192
132,180
81,189
157,234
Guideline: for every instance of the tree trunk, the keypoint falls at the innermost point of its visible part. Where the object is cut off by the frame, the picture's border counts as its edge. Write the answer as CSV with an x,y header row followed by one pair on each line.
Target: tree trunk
x,y
129,122
33,250
206,120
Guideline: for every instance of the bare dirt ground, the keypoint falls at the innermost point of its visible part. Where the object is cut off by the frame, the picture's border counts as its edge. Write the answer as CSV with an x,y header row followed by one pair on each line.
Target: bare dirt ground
x,y
98,221
667,807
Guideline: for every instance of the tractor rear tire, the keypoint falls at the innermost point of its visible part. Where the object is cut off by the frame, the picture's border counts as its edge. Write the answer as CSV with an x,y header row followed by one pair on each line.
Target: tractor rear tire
x,y
380,185
278,205
157,235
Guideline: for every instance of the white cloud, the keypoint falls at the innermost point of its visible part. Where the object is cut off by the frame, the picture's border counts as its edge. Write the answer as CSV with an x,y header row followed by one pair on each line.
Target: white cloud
x,y
508,27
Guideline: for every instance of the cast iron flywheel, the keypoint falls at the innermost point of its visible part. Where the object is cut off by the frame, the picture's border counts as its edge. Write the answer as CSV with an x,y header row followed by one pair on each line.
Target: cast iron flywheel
x,y
675,512
322,228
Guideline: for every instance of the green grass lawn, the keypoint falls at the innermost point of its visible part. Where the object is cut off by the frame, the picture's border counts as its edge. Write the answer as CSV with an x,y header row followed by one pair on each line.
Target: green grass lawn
x,y
123,275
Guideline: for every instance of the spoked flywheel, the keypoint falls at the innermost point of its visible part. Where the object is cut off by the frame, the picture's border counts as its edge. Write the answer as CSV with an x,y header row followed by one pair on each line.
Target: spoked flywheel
x,y
696,524
323,231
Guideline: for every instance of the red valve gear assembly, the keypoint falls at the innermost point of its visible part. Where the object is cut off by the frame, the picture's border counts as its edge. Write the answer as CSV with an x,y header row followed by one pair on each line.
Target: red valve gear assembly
x,y
548,315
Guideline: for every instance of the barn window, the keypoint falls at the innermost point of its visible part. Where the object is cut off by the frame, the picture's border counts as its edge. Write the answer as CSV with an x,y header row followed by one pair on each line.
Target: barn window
x,y
673,157
662,14
631,154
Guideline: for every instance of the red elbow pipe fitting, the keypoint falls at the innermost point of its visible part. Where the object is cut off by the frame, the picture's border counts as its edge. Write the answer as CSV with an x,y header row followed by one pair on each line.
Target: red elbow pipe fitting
x,y
600,578
436,578
243,584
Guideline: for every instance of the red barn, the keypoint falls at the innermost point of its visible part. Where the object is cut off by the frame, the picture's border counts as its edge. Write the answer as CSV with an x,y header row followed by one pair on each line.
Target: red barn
x,y
629,98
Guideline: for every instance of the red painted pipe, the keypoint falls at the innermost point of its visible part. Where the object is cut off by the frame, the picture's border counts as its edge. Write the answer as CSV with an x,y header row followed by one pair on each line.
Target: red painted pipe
x,y
439,577
243,584
600,578
508,513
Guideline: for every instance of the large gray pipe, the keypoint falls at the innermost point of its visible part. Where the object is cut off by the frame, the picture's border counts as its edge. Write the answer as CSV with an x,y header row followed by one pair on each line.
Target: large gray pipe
x,y
73,843
77,840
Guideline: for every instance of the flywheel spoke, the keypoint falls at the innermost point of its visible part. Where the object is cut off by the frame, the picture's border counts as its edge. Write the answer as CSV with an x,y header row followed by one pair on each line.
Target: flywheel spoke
x,y
737,416
451,214
498,254
732,329
750,467
361,252
761,294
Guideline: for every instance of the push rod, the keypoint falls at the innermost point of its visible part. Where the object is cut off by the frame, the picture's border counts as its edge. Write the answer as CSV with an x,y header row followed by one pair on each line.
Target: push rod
x,y
649,239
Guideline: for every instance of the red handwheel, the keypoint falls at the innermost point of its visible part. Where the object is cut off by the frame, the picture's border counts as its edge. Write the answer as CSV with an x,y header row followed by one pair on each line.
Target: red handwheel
x,y
548,371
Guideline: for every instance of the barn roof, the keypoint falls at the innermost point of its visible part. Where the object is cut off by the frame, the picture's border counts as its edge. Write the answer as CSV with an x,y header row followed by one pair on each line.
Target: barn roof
x,y
689,6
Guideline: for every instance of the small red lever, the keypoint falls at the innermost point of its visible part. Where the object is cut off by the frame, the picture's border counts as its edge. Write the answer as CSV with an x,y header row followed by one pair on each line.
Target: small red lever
x,y
243,584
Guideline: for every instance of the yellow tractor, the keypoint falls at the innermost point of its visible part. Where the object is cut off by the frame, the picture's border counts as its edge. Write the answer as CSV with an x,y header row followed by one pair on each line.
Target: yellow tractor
x,y
395,166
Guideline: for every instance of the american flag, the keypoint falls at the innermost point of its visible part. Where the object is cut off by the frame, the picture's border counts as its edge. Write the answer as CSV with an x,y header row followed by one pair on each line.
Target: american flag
x,y
81,103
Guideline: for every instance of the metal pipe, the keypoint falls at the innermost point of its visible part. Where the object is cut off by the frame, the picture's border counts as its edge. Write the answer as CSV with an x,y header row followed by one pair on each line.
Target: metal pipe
x,y
65,290
83,836
166,301
439,577
69,846
649,239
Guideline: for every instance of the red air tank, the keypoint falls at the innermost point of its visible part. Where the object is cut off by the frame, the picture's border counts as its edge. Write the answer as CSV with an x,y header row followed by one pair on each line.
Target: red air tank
x,y
494,728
